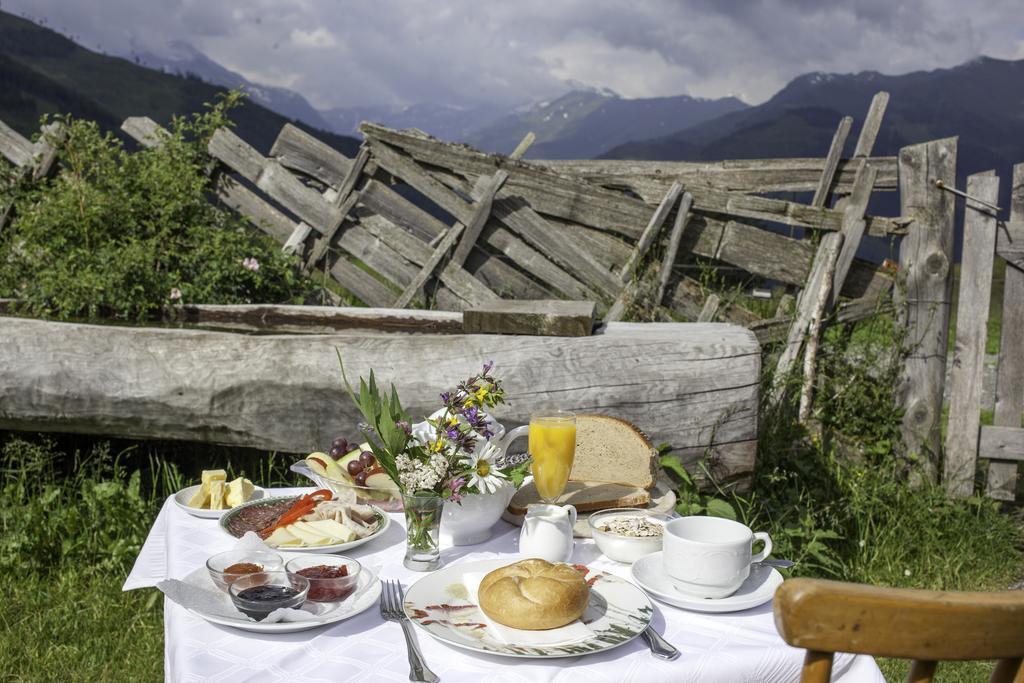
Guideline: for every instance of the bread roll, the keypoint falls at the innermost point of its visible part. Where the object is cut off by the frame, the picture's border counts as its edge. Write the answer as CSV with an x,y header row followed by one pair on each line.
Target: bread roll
x,y
534,595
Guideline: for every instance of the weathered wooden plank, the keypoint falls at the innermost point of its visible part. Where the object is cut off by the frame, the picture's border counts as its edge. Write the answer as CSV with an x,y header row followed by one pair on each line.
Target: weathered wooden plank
x,y
828,174
688,298
710,310
853,229
971,330
531,261
692,386
651,179
926,255
1002,477
346,199
14,147
672,250
868,135
360,283
824,265
775,329
523,145
46,150
318,319
430,266
550,318
295,241
580,202
299,151
244,201
145,131
1003,443
650,232
481,212
629,294
1011,252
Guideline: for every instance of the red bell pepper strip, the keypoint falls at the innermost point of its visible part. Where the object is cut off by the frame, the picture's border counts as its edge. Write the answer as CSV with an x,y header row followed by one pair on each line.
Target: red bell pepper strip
x,y
299,509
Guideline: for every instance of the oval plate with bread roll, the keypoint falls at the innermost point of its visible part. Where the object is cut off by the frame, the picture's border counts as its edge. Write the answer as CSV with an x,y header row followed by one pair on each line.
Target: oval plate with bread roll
x,y
528,608
615,466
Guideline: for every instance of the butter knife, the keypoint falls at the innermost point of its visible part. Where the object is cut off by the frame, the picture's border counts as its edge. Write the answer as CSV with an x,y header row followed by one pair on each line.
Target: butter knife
x,y
660,647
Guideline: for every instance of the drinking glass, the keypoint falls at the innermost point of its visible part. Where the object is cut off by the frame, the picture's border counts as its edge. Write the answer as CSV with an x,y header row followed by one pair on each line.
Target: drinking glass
x,y
552,447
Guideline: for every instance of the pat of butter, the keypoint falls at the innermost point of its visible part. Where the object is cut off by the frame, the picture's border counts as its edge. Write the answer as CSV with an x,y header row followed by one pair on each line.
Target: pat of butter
x,y
200,497
216,495
213,475
239,491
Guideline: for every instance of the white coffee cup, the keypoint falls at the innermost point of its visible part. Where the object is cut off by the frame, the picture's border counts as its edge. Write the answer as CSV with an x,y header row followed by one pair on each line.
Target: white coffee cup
x,y
710,557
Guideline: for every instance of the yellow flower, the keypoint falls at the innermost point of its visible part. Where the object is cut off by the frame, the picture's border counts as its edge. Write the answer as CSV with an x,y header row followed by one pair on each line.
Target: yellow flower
x,y
452,421
481,393
437,446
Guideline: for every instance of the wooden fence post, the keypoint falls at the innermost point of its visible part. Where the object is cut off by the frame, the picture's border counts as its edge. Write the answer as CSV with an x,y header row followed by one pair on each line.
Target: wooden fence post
x,y
672,251
1002,474
926,257
971,327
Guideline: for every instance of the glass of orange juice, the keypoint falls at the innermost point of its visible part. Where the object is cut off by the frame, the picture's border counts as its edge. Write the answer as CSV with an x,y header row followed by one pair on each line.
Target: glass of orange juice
x,y
552,447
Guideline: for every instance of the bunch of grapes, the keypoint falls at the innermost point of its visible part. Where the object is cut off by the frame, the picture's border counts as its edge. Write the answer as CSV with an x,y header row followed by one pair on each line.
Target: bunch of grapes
x,y
359,468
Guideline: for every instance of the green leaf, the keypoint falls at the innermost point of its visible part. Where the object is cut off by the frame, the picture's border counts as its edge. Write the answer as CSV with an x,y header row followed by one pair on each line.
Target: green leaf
x,y
717,507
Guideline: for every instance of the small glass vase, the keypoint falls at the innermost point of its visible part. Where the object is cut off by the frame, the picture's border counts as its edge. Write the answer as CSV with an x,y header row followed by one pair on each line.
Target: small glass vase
x,y
423,527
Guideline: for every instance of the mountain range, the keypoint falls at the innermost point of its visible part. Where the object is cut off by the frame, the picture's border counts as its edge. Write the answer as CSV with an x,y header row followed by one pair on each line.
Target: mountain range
x,y
43,72
982,101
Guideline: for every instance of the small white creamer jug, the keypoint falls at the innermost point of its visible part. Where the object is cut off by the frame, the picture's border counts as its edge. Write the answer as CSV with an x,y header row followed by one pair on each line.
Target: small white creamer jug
x,y
547,532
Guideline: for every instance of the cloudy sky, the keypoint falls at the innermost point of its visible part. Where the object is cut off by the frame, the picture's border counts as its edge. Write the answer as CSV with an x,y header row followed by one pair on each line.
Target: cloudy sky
x,y
343,53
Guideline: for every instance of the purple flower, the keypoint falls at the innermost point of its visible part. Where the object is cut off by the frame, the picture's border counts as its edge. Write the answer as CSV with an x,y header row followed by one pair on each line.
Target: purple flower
x,y
487,366
404,426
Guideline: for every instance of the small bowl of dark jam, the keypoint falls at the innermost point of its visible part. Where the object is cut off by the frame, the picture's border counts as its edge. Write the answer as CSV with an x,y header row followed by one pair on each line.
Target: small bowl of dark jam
x,y
332,578
257,595
226,568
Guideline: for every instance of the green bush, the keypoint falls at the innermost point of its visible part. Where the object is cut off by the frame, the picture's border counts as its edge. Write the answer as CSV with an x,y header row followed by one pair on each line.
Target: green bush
x,y
117,233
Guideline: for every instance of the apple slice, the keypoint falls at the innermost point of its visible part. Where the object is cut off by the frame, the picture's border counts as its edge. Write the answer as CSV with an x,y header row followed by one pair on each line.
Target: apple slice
x,y
382,486
324,465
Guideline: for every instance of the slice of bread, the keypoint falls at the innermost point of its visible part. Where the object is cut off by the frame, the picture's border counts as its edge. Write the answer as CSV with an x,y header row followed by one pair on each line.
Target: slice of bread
x,y
585,497
613,451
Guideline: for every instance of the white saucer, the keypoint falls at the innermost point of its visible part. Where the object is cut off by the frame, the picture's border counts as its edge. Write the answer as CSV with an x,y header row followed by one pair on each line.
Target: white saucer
x,y
182,497
759,588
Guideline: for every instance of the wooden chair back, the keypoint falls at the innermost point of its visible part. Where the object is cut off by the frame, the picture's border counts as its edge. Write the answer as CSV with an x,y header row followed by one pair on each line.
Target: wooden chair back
x,y
825,617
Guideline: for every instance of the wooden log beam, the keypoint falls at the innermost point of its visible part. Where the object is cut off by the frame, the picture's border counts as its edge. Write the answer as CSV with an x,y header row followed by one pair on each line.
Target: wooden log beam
x,y
317,319
692,386
579,202
650,232
672,250
971,331
551,318
926,256
651,179
1001,481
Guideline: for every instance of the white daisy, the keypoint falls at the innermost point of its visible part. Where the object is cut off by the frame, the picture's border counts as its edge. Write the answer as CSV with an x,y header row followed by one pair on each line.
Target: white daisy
x,y
482,472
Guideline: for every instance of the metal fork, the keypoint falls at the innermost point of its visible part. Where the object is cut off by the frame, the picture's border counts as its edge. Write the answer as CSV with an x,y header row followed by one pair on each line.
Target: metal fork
x,y
391,601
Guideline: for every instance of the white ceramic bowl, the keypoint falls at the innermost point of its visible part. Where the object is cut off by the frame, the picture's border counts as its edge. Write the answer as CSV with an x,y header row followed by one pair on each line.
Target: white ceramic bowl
x,y
626,549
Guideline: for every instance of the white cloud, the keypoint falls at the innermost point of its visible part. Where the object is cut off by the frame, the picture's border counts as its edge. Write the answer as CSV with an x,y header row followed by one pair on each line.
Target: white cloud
x,y
472,51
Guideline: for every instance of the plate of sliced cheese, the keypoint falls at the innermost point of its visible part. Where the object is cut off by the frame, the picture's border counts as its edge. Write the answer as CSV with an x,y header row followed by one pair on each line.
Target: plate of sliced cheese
x,y
216,495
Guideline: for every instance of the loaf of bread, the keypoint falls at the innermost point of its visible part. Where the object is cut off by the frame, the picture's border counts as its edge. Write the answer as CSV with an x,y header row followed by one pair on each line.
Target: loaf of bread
x,y
613,451
584,496
534,595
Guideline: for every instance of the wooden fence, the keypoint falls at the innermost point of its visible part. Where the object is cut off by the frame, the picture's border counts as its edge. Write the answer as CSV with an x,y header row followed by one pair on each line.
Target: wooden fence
x,y
411,220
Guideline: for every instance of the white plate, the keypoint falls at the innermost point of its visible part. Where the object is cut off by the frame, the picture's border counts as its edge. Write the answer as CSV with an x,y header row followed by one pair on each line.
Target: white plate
x,y
758,589
182,497
618,613
335,548
366,595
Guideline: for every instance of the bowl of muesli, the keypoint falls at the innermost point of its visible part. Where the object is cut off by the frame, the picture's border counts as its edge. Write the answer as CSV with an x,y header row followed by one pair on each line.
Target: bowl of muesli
x,y
627,534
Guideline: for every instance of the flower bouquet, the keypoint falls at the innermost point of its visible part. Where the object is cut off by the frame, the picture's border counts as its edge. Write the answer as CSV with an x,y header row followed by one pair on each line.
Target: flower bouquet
x,y
449,455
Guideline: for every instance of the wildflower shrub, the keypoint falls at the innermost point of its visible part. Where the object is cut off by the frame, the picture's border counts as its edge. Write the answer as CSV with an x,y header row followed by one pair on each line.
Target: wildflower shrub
x,y
121,234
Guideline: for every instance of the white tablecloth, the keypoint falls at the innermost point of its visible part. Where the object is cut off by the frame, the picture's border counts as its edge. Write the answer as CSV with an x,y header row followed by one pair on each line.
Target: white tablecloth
x,y
742,646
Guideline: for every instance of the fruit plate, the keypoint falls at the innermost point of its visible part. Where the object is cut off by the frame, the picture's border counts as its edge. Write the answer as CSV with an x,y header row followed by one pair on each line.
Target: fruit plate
x,y
439,603
391,501
182,497
366,595
225,524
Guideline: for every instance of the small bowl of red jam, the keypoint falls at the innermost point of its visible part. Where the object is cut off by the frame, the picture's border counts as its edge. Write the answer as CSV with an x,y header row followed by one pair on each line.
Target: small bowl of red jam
x,y
226,568
257,595
332,578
